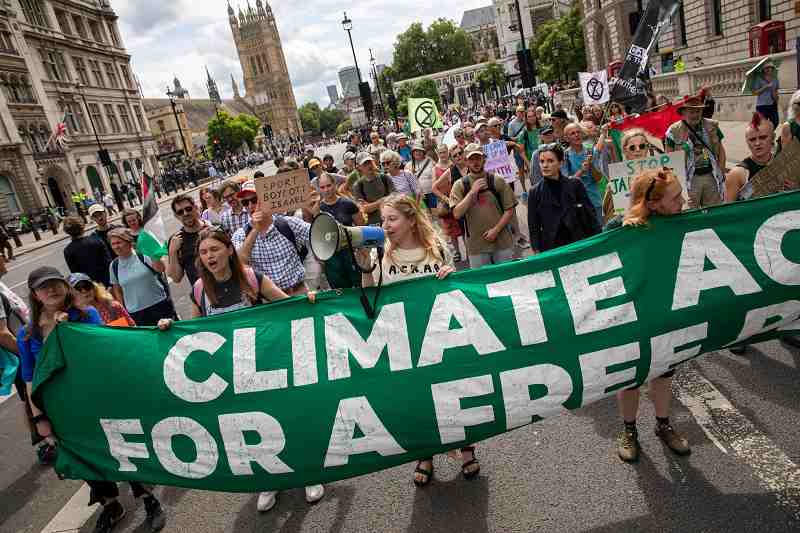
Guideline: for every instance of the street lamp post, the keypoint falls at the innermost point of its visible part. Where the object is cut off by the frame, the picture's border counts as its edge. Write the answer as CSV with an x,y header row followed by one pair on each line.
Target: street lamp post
x,y
377,84
347,24
171,95
366,99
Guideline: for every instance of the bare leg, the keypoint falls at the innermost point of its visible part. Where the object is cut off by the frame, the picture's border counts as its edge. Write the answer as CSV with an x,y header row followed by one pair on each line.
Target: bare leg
x,y
661,392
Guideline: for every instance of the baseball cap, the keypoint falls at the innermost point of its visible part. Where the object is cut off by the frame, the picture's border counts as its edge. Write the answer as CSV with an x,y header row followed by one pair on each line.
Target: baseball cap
x,y
494,121
363,157
520,108
76,278
417,146
248,188
472,149
547,130
559,113
348,155
41,275
480,125
314,162
402,136
96,208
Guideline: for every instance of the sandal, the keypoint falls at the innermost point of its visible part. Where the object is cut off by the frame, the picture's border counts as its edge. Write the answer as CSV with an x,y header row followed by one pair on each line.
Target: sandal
x,y
427,473
465,468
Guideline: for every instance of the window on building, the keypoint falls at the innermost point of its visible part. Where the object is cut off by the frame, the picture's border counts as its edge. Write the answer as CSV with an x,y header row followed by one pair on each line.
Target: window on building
x,y
17,89
97,32
764,10
97,73
253,66
113,33
8,196
63,22
111,72
126,76
161,127
34,12
7,41
80,116
80,28
54,65
137,111
125,116
80,68
112,118
97,118
681,36
715,9
73,121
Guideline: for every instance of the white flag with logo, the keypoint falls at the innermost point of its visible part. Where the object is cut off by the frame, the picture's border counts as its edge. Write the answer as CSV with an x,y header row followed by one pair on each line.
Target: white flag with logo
x,y
594,86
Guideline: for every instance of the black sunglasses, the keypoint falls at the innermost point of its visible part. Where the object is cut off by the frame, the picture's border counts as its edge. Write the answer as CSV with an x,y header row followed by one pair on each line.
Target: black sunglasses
x,y
84,286
185,211
247,201
639,146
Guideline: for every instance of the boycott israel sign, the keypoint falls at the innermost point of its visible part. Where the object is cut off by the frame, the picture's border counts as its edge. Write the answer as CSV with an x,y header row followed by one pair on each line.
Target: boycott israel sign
x,y
292,393
283,192
499,161
621,174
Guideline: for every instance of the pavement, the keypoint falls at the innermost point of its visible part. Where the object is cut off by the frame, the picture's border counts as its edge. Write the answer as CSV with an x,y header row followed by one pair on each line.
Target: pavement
x,y
559,475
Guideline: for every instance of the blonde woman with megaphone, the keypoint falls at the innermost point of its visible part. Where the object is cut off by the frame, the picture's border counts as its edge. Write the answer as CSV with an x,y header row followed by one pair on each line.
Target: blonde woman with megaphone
x,y
414,249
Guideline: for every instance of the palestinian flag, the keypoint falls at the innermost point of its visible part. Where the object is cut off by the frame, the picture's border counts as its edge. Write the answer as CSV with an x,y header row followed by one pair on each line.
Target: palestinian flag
x,y
654,122
152,240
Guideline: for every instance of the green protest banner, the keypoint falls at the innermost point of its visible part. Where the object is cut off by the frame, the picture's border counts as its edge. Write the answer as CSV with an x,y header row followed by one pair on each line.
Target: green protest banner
x,y
422,114
293,393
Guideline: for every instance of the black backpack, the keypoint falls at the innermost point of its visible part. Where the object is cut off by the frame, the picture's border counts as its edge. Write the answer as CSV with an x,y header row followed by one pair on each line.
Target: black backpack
x,y
490,186
284,229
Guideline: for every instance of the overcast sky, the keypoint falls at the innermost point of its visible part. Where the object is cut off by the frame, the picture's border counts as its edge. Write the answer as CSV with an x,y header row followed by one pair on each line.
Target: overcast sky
x,y
179,37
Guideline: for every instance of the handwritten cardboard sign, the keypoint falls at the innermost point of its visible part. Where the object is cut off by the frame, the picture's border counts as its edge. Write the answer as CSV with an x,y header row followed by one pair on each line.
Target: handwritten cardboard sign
x,y
785,167
499,161
283,192
621,174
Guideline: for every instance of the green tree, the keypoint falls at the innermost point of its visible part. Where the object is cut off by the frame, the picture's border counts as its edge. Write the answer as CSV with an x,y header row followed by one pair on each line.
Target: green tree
x,y
417,89
442,46
228,134
310,117
558,49
329,120
345,126
492,76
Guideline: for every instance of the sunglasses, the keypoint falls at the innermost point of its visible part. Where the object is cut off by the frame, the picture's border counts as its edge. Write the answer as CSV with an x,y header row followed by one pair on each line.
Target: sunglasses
x,y
638,146
84,286
229,197
185,211
247,201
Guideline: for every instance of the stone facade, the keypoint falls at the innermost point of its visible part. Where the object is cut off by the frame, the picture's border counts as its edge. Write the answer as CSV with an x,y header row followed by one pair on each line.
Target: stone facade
x,y
266,78
65,61
165,128
715,50
480,26
460,78
533,13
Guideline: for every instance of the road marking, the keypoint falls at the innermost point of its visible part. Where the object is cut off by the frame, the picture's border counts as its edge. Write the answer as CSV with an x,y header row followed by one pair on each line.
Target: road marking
x,y
74,514
722,422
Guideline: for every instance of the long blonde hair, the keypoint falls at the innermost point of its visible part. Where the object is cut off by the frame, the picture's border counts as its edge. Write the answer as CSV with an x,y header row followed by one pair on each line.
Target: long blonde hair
x,y
426,233
649,186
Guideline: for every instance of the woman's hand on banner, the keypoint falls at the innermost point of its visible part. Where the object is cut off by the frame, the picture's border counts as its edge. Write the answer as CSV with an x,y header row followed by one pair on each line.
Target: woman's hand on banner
x,y
165,323
445,271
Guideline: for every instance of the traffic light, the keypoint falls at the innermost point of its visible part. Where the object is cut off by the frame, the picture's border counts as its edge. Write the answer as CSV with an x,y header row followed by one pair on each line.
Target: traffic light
x,y
526,67
392,101
104,157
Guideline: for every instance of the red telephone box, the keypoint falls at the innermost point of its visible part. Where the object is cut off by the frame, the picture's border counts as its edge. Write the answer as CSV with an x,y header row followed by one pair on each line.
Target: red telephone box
x,y
613,68
768,38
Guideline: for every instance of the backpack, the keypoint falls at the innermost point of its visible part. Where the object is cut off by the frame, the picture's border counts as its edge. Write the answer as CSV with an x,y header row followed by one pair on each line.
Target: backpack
x,y
384,180
284,229
10,311
490,186
158,275
200,294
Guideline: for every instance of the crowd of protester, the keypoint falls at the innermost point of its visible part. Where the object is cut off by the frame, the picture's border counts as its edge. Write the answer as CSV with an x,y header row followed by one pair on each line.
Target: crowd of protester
x,y
439,208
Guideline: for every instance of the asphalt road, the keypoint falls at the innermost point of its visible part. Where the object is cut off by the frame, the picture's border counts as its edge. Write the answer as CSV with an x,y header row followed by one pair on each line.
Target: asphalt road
x,y
559,475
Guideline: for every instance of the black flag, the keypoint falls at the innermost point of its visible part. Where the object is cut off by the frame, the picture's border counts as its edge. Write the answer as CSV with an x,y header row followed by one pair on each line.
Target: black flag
x,y
632,83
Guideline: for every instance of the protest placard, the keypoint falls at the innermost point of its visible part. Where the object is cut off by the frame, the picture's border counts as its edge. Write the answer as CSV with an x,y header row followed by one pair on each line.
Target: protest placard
x,y
283,192
785,167
499,161
621,174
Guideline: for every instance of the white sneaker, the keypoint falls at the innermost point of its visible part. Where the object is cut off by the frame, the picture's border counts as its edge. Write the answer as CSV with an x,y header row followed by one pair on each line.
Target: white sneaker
x,y
266,501
314,493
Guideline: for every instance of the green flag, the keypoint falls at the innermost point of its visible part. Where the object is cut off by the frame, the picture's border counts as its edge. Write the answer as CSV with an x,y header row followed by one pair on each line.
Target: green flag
x,y
292,394
422,113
